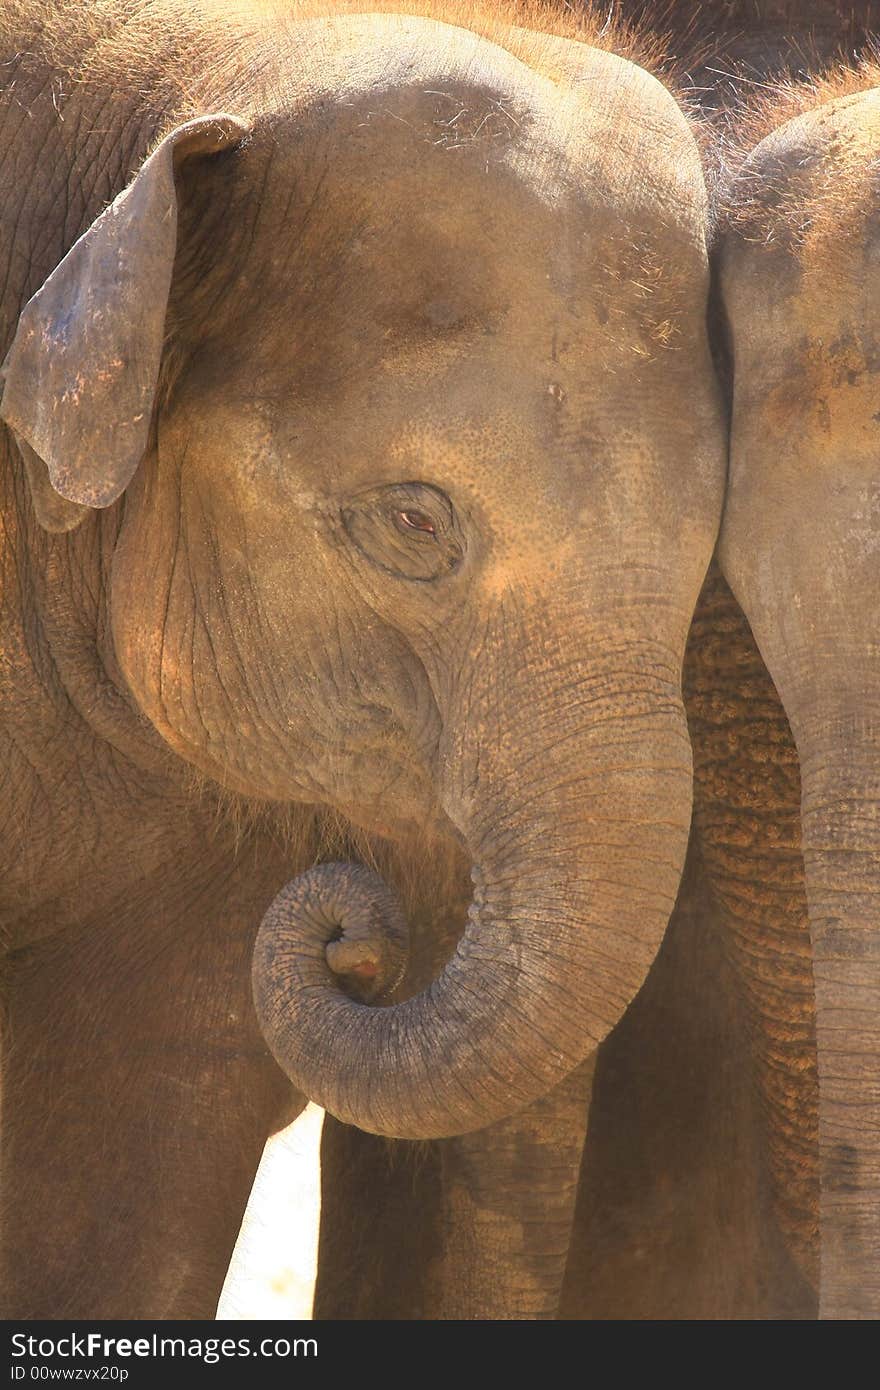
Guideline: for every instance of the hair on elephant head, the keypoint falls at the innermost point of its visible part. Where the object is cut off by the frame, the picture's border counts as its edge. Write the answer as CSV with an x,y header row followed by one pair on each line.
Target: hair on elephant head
x,y
403,383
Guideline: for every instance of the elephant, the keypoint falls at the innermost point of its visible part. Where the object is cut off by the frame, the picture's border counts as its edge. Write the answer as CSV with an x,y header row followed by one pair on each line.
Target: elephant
x,y
799,256
731,1097
363,460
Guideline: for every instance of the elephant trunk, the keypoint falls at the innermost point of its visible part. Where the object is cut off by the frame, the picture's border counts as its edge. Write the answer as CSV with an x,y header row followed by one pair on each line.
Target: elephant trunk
x,y
577,838
841,840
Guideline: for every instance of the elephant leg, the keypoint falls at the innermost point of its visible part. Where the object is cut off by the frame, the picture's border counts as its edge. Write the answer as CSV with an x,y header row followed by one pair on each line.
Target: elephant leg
x,y
138,1094
380,1225
507,1201
675,1218
475,1227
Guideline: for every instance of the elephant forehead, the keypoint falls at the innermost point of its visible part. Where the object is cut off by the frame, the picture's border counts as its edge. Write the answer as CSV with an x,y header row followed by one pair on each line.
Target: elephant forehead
x,y
320,259
459,138
801,281
430,183
810,190
571,106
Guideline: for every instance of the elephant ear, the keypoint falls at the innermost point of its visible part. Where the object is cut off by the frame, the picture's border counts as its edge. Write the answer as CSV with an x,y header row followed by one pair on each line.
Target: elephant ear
x,y
81,375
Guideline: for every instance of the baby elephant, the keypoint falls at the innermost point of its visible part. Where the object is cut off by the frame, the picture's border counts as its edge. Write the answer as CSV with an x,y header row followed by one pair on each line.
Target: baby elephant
x,y
363,460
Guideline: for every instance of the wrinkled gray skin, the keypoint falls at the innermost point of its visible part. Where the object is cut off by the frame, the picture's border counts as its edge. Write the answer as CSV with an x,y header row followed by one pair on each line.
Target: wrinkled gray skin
x,y
416,533
801,288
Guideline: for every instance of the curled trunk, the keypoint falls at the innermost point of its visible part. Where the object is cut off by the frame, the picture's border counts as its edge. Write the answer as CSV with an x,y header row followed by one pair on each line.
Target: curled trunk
x,y
573,886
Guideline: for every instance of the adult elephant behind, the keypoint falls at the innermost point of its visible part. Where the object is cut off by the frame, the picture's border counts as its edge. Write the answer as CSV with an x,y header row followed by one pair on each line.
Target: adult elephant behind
x,y
365,454
799,261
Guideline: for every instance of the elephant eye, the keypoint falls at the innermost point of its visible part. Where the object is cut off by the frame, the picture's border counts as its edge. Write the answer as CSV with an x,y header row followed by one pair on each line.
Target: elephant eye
x,y
407,529
416,521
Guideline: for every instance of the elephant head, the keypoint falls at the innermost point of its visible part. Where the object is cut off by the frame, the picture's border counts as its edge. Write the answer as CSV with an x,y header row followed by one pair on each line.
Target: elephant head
x,y
403,387
800,545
